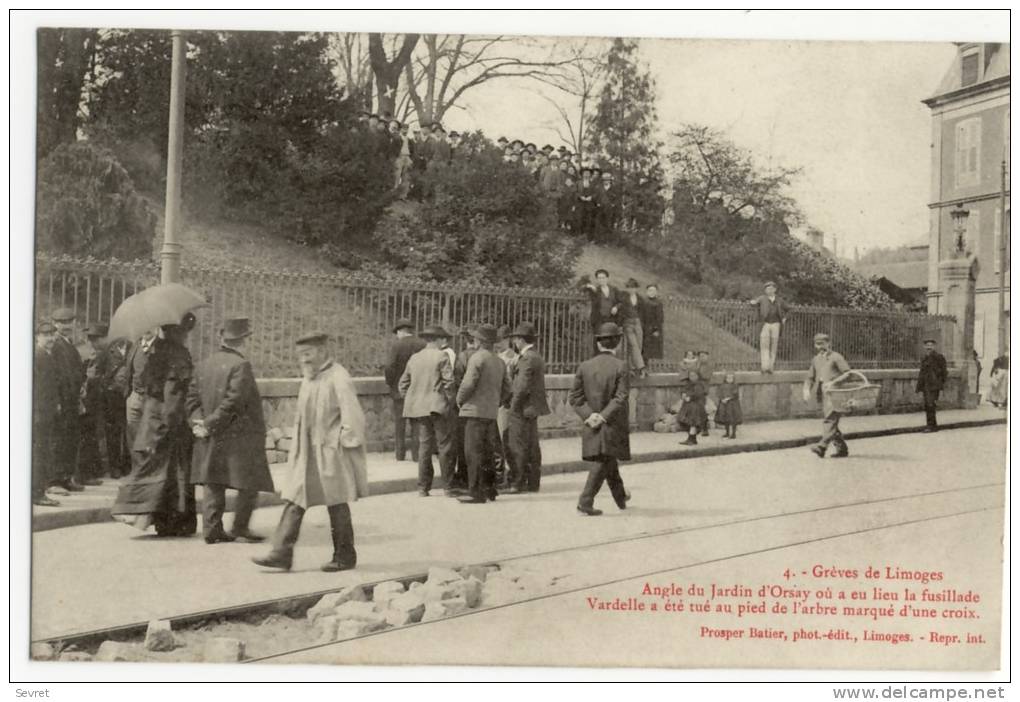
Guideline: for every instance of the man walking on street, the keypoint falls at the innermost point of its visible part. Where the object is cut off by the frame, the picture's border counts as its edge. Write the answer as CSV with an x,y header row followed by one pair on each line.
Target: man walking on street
x,y
71,374
826,366
599,396
328,462
930,381
772,314
527,403
226,418
405,346
483,389
427,388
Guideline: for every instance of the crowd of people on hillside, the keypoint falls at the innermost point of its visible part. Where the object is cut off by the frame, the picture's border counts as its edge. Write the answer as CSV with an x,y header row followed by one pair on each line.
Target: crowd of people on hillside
x,y
583,196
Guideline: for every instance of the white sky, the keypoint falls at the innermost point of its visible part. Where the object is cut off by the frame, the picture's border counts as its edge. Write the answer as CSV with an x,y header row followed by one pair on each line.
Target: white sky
x,y
848,113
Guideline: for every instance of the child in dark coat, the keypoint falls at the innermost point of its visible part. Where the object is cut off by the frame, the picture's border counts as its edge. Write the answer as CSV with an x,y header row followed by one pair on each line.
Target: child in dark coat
x,y
729,413
692,417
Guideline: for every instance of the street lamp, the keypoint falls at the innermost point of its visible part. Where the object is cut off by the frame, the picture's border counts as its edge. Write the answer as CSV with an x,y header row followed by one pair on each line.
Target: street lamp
x,y
959,216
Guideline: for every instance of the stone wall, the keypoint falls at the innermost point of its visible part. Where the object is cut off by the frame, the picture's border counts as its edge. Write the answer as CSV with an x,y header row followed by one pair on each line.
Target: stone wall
x,y
762,398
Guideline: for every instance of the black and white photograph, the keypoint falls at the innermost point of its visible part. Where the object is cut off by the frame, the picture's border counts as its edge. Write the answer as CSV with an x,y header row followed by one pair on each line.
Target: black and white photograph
x,y
646,344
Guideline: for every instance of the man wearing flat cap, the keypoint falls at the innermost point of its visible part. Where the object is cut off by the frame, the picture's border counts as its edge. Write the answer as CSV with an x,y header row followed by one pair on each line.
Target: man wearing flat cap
x,y
599,396
405,345
71,375
484,388
931,378
527,403
328,461
827,365
225,411
45,413
96,361
427,388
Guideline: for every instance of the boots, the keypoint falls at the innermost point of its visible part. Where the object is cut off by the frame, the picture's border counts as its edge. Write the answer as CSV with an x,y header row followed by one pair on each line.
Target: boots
x,y
342,530
692,440
282,555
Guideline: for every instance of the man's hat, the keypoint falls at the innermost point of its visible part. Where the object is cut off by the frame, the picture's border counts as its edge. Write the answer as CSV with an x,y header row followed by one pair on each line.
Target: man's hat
x,y
373,115
632,283
363,112
516,141
502,140
397,121
188,322
585,170
237,328
703,352
596,170
434,331
607,176
525,329
770,284
467,330
437,127
485,333
547,148
609,330
45,328
313,338
403,323
504,331
821,337
455,134
97,331
64,314
563,149
554,155
933,341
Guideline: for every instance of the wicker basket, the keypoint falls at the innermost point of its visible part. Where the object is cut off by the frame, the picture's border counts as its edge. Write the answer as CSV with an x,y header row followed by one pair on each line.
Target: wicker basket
x,y
849,393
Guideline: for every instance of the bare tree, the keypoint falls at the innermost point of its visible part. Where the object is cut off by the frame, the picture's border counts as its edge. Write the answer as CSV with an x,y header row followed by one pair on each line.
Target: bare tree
x,y
387,72
581,79
350,55
446,66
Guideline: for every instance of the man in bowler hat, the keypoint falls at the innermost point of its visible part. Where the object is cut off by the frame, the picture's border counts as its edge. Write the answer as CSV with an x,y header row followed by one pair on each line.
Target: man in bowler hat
x,y
71,374
483,389
599,396
404,346
930,381
427,388
45,412
225,411
527,403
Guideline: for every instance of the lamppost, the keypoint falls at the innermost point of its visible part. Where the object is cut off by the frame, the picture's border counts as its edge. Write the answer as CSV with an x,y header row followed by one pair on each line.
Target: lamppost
x,y
959,215
170,256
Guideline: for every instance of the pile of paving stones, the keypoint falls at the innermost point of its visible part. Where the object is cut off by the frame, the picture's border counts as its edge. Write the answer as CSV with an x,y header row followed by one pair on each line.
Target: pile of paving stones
x,y
350,612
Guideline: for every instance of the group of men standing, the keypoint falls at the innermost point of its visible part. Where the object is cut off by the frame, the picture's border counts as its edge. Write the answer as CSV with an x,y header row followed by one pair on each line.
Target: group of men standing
x,y
639,316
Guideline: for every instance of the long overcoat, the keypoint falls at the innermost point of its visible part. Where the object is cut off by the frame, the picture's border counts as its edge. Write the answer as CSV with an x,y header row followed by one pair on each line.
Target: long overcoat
x,y
224,395
328,461
600,385
932,375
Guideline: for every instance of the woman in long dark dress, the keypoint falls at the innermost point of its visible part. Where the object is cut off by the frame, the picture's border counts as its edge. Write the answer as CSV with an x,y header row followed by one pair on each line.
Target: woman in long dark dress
x,y
692,417
159,491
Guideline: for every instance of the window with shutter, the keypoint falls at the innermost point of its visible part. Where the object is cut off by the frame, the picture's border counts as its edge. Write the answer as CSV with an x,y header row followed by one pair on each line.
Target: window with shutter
x,y
968,152
969,66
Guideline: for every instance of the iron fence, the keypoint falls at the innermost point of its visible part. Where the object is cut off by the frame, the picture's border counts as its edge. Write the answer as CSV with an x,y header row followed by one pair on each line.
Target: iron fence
x,y
359,312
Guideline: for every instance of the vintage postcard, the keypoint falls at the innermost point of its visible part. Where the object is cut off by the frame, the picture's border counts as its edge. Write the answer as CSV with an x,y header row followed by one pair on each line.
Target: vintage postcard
x,y
385,348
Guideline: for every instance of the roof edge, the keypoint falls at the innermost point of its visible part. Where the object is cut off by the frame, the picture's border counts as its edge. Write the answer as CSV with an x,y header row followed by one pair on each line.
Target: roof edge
x,y
975,89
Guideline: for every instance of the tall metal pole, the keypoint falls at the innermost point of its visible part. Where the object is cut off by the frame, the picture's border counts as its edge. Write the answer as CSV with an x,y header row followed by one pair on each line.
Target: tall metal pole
x,y
170,256
1003,237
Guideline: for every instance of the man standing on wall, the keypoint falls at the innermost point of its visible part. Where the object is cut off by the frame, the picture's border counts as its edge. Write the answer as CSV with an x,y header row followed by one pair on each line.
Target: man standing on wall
x,y
405,346
772,313
527,403
930,381
605,300
827,365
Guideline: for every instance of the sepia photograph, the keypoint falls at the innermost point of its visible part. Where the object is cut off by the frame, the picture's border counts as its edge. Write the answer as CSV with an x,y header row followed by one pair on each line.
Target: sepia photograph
x,y
527,348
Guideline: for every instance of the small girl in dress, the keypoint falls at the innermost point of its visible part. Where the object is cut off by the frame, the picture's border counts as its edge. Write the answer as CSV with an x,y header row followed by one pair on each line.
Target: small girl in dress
x,y
729,413
692,417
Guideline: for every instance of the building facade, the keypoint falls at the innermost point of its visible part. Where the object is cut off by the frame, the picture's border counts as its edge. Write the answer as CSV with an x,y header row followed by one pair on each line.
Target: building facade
x,y
970,144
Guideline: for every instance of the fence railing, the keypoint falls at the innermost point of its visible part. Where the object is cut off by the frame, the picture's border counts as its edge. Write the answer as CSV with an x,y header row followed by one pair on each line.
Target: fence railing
x,y
360,313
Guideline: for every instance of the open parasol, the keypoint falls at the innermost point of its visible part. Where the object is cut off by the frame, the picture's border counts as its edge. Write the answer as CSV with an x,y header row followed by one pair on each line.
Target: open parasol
x,y
153,307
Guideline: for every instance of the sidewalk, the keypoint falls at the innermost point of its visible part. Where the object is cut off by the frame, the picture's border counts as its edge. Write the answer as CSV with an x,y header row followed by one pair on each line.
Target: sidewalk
x,y
387,475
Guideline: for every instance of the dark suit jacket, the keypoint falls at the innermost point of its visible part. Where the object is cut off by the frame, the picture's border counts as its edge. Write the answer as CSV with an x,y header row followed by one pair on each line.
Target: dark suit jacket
x,y
600,385
484,387
401,350
765,306
602,305
528,389
933,373
71,373
224,395
45,389
651,322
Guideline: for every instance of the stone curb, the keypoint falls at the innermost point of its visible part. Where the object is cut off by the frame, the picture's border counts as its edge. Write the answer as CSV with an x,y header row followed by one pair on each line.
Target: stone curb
x,y
98,515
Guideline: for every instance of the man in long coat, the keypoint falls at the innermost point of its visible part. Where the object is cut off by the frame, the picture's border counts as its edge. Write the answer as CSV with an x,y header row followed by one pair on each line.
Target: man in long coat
x,y
930,381
427,389
96,360
328,461
482,390
652,319
226,417
71,374
405,346
45,412
599,396
527,403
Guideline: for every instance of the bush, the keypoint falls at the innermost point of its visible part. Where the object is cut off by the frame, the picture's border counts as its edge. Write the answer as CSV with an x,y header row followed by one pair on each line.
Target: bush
x,y
87,206
486,222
